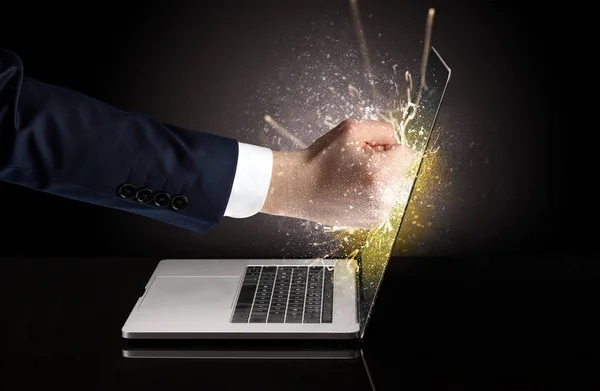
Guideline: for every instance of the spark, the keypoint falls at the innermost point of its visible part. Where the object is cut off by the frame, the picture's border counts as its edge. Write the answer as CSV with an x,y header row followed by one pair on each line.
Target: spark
x,y
426,49
353,254
354,91
375,246
338,97
407,111
284,132
435,148
364,49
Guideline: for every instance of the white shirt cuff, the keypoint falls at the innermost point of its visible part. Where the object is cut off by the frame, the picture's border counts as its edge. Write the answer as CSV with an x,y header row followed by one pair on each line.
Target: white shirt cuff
x,y
251,181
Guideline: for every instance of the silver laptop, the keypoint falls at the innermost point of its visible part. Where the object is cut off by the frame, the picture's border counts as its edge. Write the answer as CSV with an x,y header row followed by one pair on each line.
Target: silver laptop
x,y
282,298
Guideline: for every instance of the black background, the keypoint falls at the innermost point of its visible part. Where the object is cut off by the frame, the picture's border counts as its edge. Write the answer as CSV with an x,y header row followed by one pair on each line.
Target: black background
x,y
502,293
189,63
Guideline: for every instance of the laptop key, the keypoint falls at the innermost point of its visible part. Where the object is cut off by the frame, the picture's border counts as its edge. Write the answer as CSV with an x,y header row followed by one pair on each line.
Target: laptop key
x,y
276,318
312,319
296,294
246,295
293,319
261,319
327,315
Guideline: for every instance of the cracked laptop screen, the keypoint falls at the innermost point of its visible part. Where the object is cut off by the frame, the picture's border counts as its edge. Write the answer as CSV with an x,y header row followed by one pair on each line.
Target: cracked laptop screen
x,y
412,110
374,248
413,114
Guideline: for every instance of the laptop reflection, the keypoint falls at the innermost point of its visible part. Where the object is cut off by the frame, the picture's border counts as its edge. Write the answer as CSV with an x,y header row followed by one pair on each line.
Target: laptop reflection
x,y
310,366
228,349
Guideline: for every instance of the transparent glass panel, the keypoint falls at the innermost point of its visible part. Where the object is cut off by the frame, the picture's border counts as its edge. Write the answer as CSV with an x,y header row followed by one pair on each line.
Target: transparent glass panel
x,y
376,246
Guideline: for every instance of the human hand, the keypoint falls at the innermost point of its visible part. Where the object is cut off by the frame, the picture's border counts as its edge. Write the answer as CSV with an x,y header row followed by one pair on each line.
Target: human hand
x,y
349,177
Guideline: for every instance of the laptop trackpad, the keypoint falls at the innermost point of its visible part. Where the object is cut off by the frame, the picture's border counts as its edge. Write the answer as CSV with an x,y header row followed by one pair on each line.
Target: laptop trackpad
x,y
172,294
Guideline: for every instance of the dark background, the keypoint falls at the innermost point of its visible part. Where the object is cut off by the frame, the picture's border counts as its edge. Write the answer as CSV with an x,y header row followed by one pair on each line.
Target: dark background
x,y
508,160
500,291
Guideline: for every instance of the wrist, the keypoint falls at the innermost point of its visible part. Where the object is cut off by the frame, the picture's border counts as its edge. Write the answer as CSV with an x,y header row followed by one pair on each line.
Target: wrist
x,y
288,190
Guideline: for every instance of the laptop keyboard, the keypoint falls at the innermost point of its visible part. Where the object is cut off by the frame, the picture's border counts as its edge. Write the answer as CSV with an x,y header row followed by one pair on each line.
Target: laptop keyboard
x,y
285,294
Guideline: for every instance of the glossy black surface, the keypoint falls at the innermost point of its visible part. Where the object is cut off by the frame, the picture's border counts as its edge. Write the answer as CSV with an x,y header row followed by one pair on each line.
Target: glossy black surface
x,y
439,322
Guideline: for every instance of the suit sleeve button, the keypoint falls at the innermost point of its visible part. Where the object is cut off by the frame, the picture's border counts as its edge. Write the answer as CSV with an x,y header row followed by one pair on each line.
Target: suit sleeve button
x,y
126,190
179,202
162,199
143,195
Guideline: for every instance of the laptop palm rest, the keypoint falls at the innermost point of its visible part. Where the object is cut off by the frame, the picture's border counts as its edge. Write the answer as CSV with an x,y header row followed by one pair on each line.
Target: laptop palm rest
x,y
173,294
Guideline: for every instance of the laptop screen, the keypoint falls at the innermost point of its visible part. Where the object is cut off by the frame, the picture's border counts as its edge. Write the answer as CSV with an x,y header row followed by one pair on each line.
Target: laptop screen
x,y
376,245
413,115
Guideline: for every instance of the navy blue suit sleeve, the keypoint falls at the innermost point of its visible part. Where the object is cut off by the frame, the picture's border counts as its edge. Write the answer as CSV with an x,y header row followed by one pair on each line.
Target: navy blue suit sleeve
x,y
59,141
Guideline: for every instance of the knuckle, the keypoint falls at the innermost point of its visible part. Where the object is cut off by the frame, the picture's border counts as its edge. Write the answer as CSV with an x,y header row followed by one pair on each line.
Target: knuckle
x,y
347,124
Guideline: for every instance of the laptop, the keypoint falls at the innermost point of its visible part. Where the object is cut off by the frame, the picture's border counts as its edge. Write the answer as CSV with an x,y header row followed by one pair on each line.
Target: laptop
x,y
284,299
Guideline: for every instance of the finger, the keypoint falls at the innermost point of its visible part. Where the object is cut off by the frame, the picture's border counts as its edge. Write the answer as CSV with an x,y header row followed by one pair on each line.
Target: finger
x,y
400,156
377,133
394,157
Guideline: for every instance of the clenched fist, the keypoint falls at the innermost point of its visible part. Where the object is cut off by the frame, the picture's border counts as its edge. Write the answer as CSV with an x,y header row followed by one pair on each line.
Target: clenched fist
x,y
349,177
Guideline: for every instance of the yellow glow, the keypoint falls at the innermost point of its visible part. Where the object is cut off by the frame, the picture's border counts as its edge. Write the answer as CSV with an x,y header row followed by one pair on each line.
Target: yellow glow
x,y
421,209
373,248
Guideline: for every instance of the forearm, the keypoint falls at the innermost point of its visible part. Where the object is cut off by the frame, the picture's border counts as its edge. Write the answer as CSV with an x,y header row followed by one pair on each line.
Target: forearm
x,y
59,141
289,186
